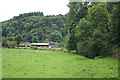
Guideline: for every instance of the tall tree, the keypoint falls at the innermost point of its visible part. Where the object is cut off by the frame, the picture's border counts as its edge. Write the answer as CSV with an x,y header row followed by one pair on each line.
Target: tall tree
x,y
92,33
18,39
113,24
77,11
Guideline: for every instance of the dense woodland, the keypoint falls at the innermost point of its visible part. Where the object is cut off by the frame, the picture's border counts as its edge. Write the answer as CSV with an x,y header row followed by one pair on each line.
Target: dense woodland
x,y
92,28
34,27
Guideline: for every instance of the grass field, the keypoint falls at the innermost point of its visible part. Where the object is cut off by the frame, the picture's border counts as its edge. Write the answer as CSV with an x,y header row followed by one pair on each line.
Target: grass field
x,y
25,63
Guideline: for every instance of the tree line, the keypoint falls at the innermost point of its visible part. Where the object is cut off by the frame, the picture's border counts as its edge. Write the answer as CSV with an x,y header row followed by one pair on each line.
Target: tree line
x,y
34,27
93,28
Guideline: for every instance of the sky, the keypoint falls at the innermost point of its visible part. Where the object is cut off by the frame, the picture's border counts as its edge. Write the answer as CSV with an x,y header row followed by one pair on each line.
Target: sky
x,y
11,8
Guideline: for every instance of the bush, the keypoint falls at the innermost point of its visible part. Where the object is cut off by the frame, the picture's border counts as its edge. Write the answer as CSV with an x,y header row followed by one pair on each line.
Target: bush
x,y
11,44
96,45
33,47
73,51
61,44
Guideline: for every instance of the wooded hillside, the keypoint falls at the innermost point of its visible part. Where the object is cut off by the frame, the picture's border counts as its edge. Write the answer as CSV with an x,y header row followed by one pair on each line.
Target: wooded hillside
x,y
35,27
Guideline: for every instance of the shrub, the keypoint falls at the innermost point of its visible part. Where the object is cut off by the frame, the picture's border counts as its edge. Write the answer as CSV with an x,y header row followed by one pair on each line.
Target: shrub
x,y
96,45
33,47
11,44
61,44
73,51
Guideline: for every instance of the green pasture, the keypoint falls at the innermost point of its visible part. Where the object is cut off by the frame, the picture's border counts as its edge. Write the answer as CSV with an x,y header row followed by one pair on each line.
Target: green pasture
x,y
26,63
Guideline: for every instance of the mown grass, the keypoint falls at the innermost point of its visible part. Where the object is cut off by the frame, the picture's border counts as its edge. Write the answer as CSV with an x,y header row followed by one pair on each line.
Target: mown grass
x,y
25,63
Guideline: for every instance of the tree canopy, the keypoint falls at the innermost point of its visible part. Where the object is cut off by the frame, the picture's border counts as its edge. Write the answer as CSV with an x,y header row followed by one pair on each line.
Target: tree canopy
x,y
92,29
35,27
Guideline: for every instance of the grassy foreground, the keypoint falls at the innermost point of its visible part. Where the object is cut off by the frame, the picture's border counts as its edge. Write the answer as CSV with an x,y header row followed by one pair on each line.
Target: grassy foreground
x,y
25,63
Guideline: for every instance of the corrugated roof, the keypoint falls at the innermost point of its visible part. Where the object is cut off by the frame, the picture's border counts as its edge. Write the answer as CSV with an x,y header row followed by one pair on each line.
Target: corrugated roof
x,y
40,43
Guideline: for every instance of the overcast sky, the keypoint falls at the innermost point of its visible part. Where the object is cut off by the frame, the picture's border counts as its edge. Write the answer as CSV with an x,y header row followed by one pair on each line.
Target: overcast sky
x,y
11,8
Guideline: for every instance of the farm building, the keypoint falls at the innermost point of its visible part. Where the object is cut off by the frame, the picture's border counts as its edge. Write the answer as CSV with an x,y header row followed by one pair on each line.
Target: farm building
x,y
52,44
41,44
46,44
25,44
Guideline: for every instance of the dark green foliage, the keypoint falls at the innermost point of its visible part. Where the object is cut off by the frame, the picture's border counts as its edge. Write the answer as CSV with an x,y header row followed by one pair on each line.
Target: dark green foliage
x,y
35,39
5,39
97,38
35,27
77,11
71,42
18,39
61,44
98,15
84,31
98,45
113,24
94,34
55,37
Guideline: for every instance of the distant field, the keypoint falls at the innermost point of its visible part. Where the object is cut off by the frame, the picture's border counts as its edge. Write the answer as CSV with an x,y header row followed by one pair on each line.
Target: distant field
x,y
25,63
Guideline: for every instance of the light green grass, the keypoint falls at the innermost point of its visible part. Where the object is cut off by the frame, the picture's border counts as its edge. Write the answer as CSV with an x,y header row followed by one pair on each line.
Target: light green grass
x,y
45,48
25,63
